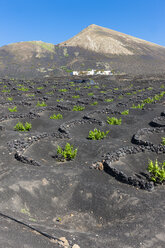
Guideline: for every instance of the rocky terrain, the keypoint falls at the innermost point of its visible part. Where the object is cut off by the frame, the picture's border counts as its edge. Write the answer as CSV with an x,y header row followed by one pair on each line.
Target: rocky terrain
x,y
94,47
104,196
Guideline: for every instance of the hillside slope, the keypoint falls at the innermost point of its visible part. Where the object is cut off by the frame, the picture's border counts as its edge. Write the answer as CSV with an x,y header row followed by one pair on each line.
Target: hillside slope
x,y
107,41
94,47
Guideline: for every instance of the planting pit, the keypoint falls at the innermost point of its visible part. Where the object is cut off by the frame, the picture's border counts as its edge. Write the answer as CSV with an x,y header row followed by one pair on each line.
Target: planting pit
x,y
130,166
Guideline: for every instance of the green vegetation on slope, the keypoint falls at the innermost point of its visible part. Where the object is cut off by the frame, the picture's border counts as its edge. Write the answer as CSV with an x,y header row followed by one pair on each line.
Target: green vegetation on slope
x,y
46,46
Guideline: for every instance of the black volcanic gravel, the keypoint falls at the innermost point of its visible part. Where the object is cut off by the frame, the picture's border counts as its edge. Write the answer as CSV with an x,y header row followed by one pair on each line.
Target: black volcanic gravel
x,y
102,198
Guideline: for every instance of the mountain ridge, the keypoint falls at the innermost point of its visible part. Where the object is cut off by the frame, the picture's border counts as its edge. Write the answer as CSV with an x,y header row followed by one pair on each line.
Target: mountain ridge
x,y
100,39
94,47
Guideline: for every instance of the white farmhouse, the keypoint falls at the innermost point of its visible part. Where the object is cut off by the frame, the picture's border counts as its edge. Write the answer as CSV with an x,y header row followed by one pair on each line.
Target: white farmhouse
x,y
75,73
91,72
108,73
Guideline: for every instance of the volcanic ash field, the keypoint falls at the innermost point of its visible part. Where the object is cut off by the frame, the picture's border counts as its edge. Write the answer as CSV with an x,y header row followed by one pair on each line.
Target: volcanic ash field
x,y
102,197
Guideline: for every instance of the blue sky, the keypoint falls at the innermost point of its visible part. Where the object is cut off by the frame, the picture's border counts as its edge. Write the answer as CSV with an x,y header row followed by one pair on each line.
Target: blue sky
x,y
56,21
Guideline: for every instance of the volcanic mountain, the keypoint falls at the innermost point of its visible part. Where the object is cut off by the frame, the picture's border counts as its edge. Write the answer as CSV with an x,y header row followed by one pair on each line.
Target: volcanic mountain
x,y
94,47
107,41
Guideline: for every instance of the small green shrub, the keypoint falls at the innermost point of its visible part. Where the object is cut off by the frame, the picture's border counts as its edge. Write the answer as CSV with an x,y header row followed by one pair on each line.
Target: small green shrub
x,y
78,108
90,94
94,103
68,153
20,127
31,95
125,112
96,87
14,109
156,97
114,121
163,141
40,88
141,90
60,100
6,91
139,106
23,89
28,126
108,100
56,117
42,104
131,86
97,134
67,55
157,171
76,96
68,70
63,90
10,99
50,93
148,100
72,84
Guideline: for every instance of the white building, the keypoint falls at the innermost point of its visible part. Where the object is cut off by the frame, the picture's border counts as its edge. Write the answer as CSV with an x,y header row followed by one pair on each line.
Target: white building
x,y
91,72
75,73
